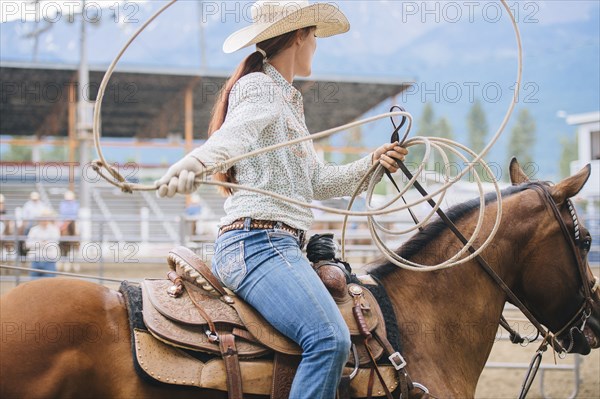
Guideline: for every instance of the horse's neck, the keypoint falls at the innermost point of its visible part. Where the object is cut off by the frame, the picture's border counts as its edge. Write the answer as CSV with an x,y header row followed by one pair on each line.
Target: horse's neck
x,y
449,318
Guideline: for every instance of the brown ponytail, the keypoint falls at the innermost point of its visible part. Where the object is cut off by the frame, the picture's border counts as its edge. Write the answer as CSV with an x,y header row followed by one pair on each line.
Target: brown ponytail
x,y
252,63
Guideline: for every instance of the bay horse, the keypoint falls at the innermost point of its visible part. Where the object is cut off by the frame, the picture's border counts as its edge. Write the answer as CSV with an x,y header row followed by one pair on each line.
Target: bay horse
x,y
68,338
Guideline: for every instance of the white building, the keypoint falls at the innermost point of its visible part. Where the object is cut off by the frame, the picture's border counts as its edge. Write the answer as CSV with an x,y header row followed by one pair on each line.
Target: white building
x,y
588,134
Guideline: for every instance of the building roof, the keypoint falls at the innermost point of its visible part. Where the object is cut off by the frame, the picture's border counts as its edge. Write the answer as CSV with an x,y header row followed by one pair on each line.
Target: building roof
x,y
144,103
582,119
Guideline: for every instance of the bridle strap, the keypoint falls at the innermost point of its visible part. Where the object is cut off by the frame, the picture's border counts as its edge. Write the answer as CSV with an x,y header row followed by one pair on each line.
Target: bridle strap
x,y
573,319
486,267
574,250
587,290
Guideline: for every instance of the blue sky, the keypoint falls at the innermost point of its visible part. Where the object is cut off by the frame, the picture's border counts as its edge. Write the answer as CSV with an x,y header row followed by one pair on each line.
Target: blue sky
x,y
455,51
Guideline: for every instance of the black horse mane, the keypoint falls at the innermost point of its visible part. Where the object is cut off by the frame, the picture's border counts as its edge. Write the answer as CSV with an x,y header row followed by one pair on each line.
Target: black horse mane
x,y
435,228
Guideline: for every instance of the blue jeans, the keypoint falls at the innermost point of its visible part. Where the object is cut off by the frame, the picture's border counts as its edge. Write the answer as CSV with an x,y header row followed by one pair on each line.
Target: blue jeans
x,y
268,270
50,266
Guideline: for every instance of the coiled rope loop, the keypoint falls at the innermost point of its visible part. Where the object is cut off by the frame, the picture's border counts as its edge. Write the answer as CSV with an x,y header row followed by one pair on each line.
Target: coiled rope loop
x,y
432,145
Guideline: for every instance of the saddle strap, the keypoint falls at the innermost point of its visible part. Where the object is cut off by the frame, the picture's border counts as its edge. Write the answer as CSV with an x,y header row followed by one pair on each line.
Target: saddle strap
x,y
371,383
284,371
240,333
404,381
364,331
200,309
388,394
232,366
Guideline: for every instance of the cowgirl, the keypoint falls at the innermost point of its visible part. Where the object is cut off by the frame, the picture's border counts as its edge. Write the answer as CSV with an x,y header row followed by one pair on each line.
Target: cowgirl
x,y
258,251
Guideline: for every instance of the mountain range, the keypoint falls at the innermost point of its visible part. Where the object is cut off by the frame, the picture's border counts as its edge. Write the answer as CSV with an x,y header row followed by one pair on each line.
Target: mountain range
x,y
454,51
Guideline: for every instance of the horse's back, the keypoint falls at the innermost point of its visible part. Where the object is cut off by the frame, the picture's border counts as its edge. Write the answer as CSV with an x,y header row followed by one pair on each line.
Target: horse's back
x,y
71,339
59,295
58,334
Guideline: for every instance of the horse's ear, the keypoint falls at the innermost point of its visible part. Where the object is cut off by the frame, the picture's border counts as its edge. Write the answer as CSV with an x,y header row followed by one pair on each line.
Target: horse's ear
x,y
570,186
517,176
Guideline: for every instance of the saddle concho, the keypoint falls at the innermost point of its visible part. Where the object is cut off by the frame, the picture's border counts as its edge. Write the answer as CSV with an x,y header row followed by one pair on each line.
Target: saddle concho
x,y
248,352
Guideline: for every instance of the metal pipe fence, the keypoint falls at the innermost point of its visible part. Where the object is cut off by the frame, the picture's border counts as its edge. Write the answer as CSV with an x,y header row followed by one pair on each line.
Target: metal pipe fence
x,y
519,322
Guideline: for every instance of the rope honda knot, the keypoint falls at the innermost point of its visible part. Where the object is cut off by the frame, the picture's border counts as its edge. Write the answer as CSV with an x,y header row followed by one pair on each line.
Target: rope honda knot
x,y
126,188
119,180
97,165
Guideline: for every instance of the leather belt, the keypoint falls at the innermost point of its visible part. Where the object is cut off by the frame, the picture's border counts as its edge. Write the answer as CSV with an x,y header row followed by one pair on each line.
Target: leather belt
x,y
265,225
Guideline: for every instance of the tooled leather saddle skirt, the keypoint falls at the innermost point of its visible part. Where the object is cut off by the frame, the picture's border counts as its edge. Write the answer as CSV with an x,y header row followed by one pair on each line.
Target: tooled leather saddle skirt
x,y
191,311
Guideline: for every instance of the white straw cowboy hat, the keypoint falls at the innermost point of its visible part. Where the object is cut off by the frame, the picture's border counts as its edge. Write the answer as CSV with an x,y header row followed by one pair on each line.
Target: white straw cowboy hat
x,y
47,213
274,18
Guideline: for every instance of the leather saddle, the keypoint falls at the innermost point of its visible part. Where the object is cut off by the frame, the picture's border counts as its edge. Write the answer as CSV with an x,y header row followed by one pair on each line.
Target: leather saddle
x,y
191,310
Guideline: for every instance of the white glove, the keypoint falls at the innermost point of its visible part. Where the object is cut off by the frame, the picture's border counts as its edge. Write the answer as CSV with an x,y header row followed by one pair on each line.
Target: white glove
x,y
184,177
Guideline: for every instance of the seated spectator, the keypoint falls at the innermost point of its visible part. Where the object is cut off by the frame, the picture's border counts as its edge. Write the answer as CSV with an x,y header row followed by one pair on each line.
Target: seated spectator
x,y
193,212
194,208
43,244
68,210
32,210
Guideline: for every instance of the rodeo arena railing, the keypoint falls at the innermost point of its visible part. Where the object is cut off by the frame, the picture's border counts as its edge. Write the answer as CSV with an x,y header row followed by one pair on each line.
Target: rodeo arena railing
x,y
110,243
139,248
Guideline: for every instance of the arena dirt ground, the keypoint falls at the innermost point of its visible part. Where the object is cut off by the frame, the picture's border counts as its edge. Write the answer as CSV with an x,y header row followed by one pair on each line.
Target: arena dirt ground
x,y
495,383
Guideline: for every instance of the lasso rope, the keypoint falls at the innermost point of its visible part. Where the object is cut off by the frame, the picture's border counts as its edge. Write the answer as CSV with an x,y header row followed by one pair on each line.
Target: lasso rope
x,y
431,144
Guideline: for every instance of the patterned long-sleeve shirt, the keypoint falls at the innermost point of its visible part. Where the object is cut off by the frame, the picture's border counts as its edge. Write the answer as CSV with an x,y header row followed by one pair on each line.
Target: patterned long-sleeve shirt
x,y
265,109
69,210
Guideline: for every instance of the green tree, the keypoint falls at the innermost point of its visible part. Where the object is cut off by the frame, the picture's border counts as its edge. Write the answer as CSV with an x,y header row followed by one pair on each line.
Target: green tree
x,y
444,130
427,121
568,154
425,127
522,138
56,154
17,153
477,129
